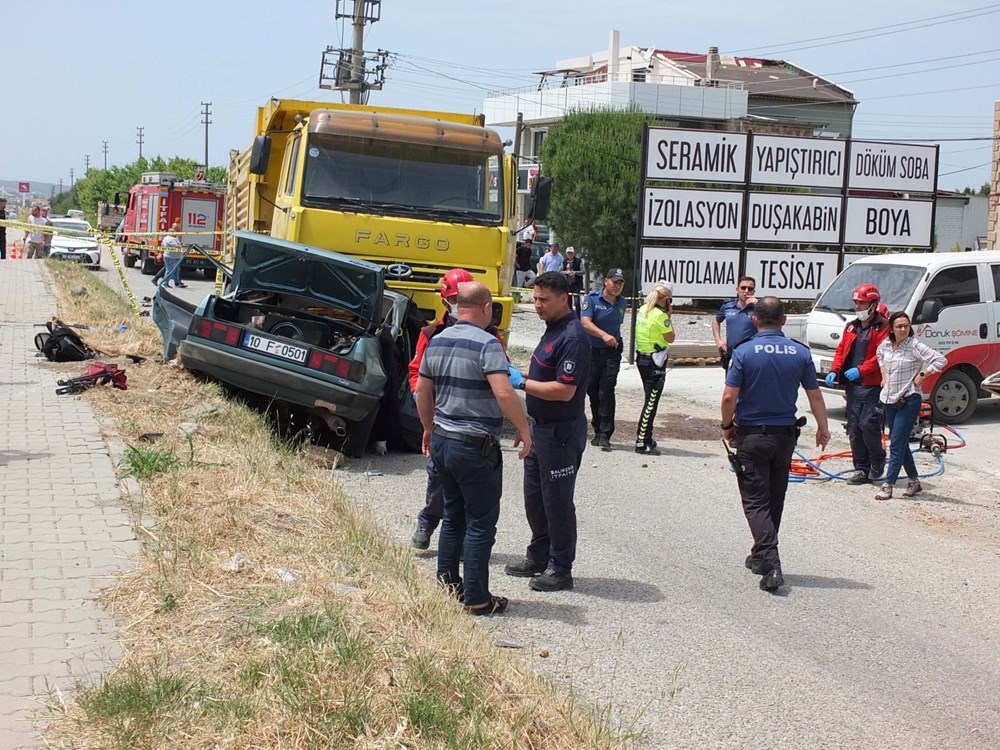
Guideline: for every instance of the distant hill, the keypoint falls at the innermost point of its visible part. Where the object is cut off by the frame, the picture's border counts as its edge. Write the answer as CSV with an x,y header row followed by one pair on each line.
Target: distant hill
x,y
38,189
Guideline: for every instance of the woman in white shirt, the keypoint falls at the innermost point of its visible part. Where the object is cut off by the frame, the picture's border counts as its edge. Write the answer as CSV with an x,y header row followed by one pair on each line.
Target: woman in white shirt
x,y
905,364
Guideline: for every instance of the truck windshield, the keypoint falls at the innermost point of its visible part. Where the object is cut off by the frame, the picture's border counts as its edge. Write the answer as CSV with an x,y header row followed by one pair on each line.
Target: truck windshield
x,y
895,283
401,178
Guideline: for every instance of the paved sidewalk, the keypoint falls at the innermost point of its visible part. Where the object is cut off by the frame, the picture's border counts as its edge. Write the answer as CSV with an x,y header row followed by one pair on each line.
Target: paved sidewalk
x,y
63,532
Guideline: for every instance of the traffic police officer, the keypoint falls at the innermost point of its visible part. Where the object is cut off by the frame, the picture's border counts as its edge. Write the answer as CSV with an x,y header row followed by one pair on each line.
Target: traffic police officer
x,y
758,412
555,388
653,334
602,314
737,314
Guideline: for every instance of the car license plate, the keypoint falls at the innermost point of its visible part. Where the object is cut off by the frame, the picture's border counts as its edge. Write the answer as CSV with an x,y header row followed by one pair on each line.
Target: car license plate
x,y
274,348
825,365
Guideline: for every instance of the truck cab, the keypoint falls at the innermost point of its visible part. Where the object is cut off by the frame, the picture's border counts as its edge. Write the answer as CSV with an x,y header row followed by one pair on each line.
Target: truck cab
x,y
953,300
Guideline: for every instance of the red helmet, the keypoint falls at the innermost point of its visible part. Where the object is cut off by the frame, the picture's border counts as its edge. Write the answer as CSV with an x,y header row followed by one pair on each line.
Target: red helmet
x,y
866,293
882,310
451,280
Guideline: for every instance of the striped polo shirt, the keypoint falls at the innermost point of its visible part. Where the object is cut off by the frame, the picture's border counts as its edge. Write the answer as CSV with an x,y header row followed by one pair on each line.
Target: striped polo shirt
x,y
458,360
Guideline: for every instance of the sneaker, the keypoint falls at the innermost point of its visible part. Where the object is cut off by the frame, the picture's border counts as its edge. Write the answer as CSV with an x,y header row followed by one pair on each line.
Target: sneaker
x,y
182,285
648,450
421,538
876,471
524,569
604,442
772,580
913,487
858,477
552,580
885,493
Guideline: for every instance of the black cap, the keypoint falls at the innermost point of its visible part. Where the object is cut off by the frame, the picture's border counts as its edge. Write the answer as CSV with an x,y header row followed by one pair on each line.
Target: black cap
x,y
615,274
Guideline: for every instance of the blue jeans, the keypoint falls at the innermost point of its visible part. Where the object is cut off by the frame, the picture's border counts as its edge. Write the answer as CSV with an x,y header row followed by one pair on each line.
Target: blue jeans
x,y
900,418
173,269
472,486
433,511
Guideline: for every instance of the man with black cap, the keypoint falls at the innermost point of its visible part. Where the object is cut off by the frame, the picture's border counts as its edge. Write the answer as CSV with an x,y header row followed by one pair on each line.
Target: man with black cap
x,y
602,314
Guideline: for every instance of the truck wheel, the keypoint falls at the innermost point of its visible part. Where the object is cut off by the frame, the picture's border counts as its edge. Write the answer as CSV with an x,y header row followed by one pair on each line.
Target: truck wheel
x,y
147,265
954,398
129,261
209,273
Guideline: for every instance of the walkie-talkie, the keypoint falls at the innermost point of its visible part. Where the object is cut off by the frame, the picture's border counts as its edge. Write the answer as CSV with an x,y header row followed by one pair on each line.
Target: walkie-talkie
x,y
734,460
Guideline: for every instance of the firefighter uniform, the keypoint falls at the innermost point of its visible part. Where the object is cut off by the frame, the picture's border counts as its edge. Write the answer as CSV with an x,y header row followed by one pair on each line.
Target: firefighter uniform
x,y
559,437
768,369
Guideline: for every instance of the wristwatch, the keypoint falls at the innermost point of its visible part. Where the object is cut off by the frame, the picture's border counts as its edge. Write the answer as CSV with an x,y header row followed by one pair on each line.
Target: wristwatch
x,y
728,426
523,385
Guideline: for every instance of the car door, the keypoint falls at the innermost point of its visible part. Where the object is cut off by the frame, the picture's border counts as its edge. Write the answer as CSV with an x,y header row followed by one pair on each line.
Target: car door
x,y
951,312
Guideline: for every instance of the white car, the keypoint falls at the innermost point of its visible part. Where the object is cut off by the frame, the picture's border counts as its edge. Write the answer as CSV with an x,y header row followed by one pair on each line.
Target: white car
x,y
73,239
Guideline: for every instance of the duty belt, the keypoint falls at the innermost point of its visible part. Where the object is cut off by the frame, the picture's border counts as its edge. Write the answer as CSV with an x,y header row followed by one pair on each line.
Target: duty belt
x,y
766,429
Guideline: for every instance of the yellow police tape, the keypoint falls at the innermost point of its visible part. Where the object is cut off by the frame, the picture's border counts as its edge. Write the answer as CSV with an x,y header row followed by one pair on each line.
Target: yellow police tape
x,y
106,241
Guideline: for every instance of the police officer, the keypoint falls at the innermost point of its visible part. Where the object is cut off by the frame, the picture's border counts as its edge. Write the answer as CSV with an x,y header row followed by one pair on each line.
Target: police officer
x,y
653,334
855,366
602,314
758,412
737,314
555,388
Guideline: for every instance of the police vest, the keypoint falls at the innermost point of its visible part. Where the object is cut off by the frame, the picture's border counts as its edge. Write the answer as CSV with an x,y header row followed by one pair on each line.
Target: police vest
x,y
649,330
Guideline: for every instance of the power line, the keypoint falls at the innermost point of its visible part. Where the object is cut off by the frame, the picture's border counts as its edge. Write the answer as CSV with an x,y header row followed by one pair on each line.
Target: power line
x,y
967,169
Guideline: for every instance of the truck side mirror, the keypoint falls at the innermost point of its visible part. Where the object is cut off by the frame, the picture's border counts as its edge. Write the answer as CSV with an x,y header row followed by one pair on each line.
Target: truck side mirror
x,y
259,154
541,195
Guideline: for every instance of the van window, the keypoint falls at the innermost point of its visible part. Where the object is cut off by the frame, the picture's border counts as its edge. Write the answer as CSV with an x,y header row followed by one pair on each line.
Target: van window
x,y
950,287
995,268
895,283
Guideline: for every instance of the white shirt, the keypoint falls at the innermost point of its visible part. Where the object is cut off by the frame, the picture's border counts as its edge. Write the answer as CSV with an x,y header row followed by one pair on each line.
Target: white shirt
x,y
902,364
37,237
529,233
172,246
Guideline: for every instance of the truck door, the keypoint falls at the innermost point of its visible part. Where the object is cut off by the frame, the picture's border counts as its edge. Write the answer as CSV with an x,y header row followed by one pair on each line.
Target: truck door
x,y
281,226
950,315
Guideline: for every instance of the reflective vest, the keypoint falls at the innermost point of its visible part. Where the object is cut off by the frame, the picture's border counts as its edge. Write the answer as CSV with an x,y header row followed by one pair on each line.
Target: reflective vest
x,y
649,330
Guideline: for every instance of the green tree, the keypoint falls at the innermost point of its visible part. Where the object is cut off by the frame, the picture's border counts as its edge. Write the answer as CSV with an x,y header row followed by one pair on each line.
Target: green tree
x,y
593,160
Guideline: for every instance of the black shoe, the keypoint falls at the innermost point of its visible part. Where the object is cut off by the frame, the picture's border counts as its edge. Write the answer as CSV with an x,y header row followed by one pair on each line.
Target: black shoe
x,y
648,450
421,538
604,442
772,580
859,477
552,580
595,441
524,569
876,471
496,605
754,565
455,588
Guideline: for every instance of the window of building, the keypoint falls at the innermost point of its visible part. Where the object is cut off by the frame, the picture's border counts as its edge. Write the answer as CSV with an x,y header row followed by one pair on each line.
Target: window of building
x,y
639,75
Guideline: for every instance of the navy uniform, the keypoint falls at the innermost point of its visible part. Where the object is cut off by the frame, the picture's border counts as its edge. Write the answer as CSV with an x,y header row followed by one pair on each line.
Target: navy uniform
x,y
768,369
605,360
559,438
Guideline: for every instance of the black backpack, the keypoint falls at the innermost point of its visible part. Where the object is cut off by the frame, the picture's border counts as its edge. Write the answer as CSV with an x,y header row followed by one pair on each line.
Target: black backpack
x,y
62,344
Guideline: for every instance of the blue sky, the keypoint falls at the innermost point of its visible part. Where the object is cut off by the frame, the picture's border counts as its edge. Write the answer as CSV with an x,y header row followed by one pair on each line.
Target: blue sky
x,y
78,73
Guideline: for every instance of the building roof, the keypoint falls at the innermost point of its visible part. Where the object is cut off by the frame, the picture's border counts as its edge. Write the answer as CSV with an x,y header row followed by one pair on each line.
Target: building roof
x,y
778,79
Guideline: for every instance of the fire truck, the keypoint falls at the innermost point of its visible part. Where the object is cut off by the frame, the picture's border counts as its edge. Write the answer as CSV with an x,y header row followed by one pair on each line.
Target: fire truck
x,y
158,201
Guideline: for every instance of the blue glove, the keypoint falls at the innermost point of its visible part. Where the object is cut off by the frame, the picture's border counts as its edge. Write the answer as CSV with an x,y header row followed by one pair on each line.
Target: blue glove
x,y
516,376
831,379
853,374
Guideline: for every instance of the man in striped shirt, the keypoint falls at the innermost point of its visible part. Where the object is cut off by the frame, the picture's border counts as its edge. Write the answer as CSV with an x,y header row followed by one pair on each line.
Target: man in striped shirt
x,y
463,394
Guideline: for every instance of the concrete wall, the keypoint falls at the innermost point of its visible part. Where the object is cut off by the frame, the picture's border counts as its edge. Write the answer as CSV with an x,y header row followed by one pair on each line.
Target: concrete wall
x,y
958,221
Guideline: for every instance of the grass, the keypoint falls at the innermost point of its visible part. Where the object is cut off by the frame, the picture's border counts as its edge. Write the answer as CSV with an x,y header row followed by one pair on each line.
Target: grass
x,y
363,650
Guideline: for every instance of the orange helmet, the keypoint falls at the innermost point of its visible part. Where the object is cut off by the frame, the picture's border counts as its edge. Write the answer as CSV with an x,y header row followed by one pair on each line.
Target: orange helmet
x,y
866,293
451,280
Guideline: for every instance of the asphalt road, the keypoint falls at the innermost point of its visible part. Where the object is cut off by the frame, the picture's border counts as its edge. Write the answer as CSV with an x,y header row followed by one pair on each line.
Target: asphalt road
x,y
887,634
142,285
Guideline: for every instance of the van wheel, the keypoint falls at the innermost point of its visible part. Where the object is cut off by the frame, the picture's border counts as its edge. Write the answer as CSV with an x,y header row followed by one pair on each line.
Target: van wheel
x,y
130,261
148,266
954,398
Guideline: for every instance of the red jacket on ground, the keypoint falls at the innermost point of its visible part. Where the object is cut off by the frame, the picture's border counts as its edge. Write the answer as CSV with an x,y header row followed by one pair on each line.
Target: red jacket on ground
x,y
871,374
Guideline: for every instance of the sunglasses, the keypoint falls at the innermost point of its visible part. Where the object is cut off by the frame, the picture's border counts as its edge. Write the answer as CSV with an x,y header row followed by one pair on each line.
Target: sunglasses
x,y
746,288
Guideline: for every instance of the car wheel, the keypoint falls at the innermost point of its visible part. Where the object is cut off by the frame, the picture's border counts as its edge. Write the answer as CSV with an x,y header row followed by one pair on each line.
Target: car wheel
x,y
954,398
148,266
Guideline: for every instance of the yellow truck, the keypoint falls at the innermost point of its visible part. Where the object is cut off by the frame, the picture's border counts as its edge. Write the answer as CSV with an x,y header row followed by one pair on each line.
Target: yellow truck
x,y
416,192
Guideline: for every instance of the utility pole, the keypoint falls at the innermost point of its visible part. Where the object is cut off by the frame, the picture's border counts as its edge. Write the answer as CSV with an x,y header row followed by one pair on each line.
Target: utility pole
x,y
71,180
138,139
105,147
60,186
349,71
86,164
206,122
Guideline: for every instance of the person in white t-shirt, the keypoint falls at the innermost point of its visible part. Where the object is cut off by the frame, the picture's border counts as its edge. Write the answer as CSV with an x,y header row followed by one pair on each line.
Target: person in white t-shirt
x,y
34,240
173,253
530,232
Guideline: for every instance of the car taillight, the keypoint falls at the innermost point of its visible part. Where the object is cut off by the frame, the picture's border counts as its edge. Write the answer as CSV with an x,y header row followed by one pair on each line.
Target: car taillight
x,y
334,365
215,331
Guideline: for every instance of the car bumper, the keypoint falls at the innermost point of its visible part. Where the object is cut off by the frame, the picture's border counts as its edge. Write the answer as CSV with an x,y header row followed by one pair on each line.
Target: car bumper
x,y
276,382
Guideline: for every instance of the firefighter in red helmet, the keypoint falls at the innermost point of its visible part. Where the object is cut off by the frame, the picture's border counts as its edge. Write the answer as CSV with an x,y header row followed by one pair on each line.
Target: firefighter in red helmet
x,y
855,368
429,518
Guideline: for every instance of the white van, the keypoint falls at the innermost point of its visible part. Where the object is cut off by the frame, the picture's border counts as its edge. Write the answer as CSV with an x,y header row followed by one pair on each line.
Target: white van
x,y
953,300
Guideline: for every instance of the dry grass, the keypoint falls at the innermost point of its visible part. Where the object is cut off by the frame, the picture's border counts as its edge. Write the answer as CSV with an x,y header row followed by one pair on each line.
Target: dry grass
x,y
362,650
